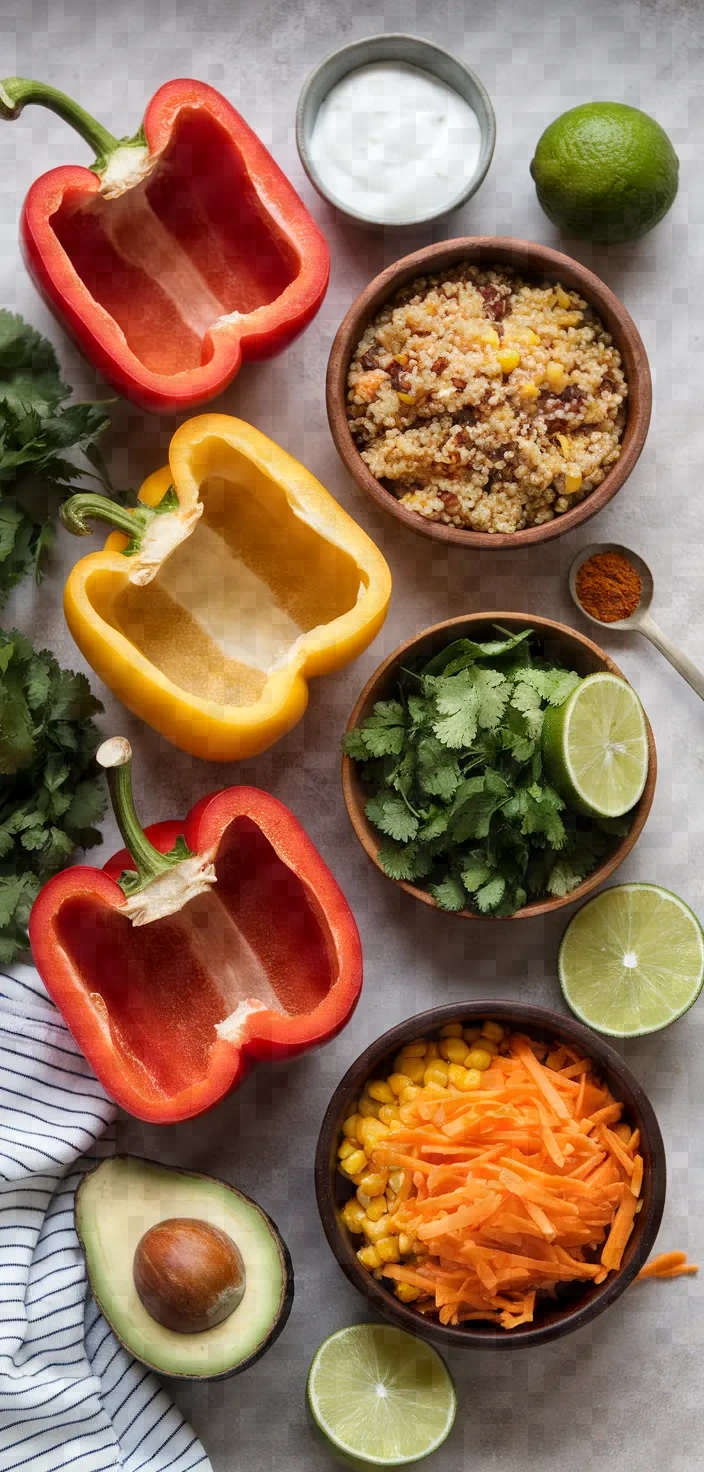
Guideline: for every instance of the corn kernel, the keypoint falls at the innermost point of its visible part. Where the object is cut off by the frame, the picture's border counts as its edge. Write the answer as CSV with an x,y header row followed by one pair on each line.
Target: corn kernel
x,y
434,1091
478,1058
562,298
457,1075
556,376
396,1180
406,1292
401,358
413,1069
491,337
431,1053
398,1082
368,1108
350,1126
347,1148
352,1215
454,1050
473,1080
405,1244
375,1231
380,1091
363,1200
529,391
451,1030
494,1031
369,1257
377,1208
406,398
408,1096
565,445
509,358
387,1249
374,1183
416,1049
488,1045
573,482
388,1113
395,1123
354,1163
470,1034
371,1131
436,1073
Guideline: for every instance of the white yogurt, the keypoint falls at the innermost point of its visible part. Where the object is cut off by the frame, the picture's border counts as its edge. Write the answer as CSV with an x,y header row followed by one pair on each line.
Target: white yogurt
x,y
394,144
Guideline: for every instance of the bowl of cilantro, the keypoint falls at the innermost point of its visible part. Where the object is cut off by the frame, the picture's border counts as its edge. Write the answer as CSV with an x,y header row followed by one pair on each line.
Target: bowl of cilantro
x,y
443,774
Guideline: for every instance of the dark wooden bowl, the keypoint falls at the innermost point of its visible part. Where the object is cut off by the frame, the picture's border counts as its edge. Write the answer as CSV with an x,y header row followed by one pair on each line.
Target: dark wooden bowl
x,y
563,644
577,1304
527,258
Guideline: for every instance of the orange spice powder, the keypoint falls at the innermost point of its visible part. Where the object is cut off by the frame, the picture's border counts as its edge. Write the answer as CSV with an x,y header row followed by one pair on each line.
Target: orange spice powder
x,y
608,587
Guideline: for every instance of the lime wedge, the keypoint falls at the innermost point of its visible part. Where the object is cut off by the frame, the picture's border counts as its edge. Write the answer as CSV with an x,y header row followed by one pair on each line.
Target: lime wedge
x,y
380,1396
632,960
595,747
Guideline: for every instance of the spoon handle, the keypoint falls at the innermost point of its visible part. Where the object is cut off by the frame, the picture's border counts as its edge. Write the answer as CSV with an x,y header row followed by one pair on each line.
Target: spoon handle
x,y
685,666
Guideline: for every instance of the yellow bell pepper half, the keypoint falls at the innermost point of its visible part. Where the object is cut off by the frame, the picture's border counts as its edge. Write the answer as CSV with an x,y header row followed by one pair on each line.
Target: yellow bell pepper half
x,y
236,580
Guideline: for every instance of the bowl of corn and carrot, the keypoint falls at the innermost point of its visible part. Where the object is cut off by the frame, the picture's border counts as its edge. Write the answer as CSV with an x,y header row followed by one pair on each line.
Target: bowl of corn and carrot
x,y
490,1174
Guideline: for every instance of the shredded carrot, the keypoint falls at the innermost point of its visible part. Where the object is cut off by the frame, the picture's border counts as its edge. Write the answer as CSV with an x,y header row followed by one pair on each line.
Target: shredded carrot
x,y
668,1265
510,1189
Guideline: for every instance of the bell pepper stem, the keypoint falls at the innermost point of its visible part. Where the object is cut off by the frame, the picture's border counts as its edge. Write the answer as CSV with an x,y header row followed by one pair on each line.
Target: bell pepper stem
x,y
87,504
16,92
115,756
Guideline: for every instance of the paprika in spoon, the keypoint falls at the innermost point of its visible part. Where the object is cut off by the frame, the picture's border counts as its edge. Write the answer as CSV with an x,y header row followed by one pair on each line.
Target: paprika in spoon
x,y
612,585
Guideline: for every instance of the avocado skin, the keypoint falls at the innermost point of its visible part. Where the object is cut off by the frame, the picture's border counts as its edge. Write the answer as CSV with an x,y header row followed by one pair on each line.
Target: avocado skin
x,y
285,1304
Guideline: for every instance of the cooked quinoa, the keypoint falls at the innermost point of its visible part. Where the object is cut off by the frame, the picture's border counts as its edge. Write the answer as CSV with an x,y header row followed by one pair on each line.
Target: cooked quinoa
x,y
485,401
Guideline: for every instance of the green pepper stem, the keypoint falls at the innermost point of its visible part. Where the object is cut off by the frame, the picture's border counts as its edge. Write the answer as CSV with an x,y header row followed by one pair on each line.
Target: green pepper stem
x,y
16,92
73,514
115,756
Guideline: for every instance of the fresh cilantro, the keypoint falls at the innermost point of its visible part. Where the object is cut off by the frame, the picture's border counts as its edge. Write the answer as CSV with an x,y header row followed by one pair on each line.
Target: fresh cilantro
x,y
51,797
38,430
454,775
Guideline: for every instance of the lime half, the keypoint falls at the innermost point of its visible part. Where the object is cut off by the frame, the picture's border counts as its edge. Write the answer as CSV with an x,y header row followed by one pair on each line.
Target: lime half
x,y
380,1396
595,747
632,960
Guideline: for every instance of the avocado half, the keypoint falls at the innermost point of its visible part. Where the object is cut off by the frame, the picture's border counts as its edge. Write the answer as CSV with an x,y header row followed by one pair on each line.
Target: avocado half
x,y
120,1200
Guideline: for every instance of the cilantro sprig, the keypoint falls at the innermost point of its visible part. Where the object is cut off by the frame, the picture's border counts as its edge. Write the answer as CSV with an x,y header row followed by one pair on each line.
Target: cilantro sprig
x,y
38,433
456,781
50,795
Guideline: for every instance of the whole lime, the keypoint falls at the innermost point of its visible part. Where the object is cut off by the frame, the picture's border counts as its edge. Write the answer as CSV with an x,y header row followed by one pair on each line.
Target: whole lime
x,y
605,172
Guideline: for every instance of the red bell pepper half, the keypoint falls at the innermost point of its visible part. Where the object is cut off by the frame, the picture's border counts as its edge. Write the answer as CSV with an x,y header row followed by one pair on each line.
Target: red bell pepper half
x,y
178,253
200,948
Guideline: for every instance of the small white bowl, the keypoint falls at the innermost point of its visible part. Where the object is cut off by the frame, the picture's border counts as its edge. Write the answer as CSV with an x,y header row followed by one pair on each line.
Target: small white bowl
x,y
414,51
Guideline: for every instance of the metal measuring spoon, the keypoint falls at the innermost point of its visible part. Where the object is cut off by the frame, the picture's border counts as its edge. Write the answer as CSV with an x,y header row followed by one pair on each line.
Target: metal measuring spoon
x,y
640,621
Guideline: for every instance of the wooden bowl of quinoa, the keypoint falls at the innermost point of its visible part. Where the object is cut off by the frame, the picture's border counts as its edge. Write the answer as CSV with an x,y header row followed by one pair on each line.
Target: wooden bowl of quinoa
x,y
489,391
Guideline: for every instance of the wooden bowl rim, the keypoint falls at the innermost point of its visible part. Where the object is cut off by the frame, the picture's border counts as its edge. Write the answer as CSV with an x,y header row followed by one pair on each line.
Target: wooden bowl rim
x,y
558,1026
544,627
531,257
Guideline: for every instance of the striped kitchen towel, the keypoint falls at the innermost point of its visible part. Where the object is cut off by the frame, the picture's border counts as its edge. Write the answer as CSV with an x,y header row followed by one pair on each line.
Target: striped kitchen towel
x,y
70,1395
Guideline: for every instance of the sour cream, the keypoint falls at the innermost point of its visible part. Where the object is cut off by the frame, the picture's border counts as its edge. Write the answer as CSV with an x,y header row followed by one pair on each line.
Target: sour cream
x,y
394,144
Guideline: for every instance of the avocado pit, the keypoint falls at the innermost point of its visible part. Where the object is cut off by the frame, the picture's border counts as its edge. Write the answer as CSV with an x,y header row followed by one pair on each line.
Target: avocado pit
x,y
188,1274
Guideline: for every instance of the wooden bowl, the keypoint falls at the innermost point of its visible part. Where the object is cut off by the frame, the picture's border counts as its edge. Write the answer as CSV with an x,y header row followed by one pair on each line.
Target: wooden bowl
x,y
527,258
563,644
576,1304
